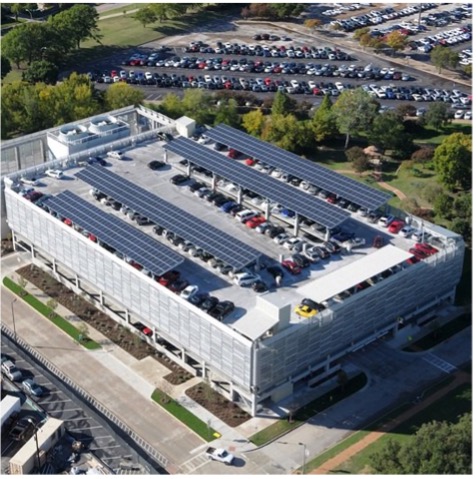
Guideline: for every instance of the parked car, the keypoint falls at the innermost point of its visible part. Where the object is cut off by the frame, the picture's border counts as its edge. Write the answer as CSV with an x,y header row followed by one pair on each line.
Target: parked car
x,y
21,427
395,226
406,231
11,371
385,221
32,388
246,278
169,277
30,181
156,164
291,266
116,154
58,174
221,310
189,291
178,179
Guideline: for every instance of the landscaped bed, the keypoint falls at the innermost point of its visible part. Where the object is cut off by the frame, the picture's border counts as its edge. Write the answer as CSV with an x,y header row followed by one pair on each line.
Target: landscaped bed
x,y
85,311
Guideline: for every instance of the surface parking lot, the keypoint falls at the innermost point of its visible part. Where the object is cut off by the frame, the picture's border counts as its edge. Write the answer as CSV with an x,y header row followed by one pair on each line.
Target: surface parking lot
x,y
80,421
134,168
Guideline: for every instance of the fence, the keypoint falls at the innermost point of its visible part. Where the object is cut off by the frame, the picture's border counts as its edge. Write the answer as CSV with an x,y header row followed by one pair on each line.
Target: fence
x,y
94,403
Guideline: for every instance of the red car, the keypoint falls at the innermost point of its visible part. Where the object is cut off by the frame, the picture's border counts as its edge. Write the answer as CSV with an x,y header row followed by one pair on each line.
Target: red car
x,y
135,265
291,266
256,221
147,331
332,198
114,74
426,248
250,162
395,226
413,260
233,153
68,222
92,237
418,253
169,277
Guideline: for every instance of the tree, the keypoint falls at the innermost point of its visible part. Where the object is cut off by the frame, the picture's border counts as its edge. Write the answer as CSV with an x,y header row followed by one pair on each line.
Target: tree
x,y
253,122
227,112
120,95
423,154
463,206
444,57
453,161
360,32
52,304
312,23
436,448
41,71
406,110
172,106
164,11
354,112
286,10
283,104
14,45
260,10
145,16
437,116
323,122
287,133
83,330
197,105
78,23
358,158
387,132
6,67
442,205
396,40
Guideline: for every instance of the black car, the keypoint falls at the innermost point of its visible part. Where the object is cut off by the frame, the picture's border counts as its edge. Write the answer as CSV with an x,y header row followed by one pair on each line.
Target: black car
x,y
196,186
236,209
156,165
178,179
97,159
259,286
220,200
143,221
331,247
209,303
219,147
198,299
275,271
164,136
300,260
158,230
116,205
221,310
312,304
274,231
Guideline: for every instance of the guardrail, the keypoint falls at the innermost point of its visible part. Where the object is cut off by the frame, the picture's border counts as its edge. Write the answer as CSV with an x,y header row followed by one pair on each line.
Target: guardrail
x,y
142,443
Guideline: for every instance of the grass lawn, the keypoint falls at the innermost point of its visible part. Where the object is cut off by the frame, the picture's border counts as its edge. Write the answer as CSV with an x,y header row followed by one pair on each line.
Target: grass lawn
x,y
126,7
56,319
448,408
305,413
435,137
185,416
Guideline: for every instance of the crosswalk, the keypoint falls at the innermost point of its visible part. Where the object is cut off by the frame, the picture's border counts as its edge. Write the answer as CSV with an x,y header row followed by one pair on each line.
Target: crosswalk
x,y
439,363
194,463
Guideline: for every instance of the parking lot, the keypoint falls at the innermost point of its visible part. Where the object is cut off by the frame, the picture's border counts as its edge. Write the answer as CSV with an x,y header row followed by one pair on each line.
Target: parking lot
x,y
205,274
81,422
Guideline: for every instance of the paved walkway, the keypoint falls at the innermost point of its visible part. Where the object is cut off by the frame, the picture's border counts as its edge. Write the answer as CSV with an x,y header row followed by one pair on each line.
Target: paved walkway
x,y
334,463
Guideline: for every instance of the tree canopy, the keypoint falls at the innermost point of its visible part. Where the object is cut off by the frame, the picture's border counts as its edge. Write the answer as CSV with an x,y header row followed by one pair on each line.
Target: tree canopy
x,y
436,448
323,122
437,116
41,71
388,132
444,57
354,112
6,67
453,161
120,95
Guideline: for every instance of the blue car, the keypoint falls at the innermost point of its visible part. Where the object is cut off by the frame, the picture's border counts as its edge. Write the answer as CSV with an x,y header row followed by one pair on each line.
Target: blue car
x,y
226,207
288,213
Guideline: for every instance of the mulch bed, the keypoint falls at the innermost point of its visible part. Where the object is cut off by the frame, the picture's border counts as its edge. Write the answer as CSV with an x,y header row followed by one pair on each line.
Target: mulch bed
x,y
6,247
118,334
229,412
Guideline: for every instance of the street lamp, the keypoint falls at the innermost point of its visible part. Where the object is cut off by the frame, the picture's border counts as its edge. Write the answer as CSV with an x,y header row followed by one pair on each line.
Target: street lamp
x,y
304,452
13,319
36,441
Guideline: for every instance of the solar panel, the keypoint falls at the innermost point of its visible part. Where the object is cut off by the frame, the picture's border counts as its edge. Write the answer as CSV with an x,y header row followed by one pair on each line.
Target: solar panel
x,y
299,201
221,245
133,243
292,164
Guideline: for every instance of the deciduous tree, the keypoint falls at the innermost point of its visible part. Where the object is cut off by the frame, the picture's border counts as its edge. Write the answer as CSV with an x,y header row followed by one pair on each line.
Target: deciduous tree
x,y
396,40
354,112
387,132
324,122
253,122
227,112
145,16
437,116
453,161
120,95
6,67
41,71
444,57
283,104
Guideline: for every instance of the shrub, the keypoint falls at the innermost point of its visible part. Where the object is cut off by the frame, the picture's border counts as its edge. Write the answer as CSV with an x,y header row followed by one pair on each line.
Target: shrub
x,y
423,154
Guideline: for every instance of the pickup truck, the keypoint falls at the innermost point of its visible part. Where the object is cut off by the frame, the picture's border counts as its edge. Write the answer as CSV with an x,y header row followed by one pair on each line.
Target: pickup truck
x,y
221,455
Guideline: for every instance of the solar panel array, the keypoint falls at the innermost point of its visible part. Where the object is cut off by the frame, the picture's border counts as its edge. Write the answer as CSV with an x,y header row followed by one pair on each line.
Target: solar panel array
x,y
221,245
294,165
133,243
299,201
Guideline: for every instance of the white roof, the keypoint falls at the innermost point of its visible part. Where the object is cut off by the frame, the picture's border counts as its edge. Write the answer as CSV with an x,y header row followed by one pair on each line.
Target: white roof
x,y
348,276
254,326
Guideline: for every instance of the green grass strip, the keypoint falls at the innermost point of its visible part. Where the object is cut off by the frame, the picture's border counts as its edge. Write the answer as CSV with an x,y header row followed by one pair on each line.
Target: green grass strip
x,y
48,313
184,416
309,410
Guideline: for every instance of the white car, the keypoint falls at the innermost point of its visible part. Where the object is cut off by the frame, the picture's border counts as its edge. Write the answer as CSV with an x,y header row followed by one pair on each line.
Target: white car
x,y
468,115
54,173
189,291
384,221
293,243
246,279
30,181
116,154
459,114
406,231
281,238
148,76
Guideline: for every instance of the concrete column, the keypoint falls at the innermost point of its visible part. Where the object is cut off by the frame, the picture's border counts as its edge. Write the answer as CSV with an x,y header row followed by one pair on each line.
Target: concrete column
x,y
239,195
267,210
166,156
128,316
17,158
32,252
14,242
184,355
54,265
42,151
204,370
214,182
76,279
253,404
189,169
328,234
101,298
296,225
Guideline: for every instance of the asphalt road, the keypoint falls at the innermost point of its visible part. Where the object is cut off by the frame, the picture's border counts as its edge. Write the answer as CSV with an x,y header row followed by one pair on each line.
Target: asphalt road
x,y
81,421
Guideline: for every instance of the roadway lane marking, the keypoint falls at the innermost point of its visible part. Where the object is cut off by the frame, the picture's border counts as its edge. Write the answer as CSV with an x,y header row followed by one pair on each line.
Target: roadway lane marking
x,y
439,363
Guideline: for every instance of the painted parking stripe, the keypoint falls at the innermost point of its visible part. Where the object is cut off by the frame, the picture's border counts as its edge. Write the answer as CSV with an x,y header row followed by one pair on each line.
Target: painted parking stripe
x,y
102,448
79,429
55,401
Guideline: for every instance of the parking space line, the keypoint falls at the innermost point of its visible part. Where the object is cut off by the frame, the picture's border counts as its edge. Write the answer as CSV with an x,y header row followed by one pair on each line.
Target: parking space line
x,y
79,429
102,448
80,419
55,401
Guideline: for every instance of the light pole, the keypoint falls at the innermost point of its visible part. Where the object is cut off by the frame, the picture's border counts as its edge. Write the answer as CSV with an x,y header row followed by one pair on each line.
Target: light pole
x,y
13,319
304,452
36,441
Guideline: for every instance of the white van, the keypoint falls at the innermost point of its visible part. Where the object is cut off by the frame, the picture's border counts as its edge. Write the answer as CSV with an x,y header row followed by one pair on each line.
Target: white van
x,y
245,215
116,154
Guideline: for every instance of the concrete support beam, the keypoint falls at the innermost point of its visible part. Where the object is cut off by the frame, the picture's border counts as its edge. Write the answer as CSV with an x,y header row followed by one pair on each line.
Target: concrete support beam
x,y
296,225
214,182
267,210
76,279
204,369
101,298
42,151
166,160
128,316
54,265
328,234
17,157
189,169
239,195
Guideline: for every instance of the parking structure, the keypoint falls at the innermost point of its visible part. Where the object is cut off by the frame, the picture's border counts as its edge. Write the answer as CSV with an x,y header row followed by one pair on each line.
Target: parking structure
x,y
240,326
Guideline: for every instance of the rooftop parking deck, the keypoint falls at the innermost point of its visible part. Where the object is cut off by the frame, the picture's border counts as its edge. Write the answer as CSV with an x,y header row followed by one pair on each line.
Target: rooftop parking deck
x,y
249,317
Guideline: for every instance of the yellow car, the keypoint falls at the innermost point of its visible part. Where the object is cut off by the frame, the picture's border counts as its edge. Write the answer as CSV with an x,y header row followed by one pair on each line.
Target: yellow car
x,y
305,311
